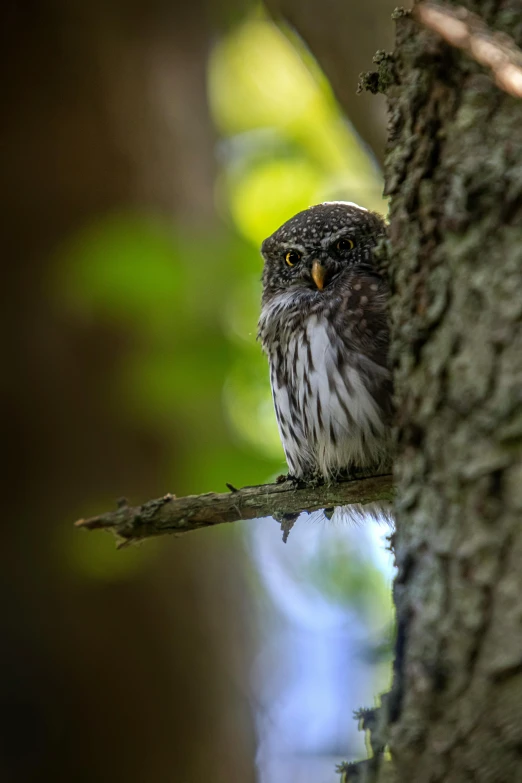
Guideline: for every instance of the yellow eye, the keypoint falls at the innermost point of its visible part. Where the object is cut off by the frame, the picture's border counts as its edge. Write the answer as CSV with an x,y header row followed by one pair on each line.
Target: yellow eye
x,y
344,244
292,257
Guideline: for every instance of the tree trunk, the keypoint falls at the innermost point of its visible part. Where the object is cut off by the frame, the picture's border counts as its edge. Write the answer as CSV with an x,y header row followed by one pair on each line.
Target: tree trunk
x,y
454,175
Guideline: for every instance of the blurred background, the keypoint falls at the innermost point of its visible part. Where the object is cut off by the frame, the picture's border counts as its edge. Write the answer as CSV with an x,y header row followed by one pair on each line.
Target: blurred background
x,y
147,148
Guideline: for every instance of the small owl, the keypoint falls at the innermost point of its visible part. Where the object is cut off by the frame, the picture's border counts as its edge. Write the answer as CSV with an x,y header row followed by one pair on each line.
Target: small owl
x,y
324,328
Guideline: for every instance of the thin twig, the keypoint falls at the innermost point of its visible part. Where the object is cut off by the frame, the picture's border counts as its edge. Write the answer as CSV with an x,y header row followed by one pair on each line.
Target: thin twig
x,y
181,515
464,30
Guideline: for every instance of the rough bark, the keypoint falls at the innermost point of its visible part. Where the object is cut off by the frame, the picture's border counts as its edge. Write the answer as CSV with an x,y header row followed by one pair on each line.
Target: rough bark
x,y
454,174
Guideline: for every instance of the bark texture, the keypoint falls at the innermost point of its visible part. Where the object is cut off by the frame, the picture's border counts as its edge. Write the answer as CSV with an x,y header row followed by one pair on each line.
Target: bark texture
x,y
454,172
283,501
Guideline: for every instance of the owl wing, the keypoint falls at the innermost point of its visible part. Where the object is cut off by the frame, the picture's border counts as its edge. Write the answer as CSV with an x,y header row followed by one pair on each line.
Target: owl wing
x,y
363,325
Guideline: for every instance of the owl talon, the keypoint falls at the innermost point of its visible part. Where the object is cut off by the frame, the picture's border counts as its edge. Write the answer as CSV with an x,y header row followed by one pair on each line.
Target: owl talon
x,y
314,480
283,478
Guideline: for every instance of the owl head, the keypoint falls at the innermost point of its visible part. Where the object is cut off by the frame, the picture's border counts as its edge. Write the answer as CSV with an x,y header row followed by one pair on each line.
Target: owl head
x,y
312,250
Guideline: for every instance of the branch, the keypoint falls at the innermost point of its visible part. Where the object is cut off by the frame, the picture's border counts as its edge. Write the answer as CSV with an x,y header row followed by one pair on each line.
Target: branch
x,y
464,30
283,501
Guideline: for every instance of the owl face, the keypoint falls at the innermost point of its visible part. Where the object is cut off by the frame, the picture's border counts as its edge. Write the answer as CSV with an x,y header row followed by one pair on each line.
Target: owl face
x,y
312,250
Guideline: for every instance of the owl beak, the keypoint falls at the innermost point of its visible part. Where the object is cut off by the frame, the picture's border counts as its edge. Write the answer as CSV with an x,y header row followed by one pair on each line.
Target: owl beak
x,y
318,274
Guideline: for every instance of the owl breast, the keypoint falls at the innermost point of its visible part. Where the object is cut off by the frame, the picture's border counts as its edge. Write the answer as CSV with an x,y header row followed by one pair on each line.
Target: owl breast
x,y
326,398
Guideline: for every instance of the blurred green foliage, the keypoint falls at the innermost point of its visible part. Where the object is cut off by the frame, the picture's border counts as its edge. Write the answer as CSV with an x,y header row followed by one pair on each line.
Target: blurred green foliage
x,y
187,300
290,145
361,585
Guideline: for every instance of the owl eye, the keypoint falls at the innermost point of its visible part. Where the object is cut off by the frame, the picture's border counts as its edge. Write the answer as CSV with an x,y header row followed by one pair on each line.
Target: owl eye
x,y
292,257
344,244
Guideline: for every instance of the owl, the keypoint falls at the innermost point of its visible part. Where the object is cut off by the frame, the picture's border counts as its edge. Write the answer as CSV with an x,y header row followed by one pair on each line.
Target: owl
x,y
324,328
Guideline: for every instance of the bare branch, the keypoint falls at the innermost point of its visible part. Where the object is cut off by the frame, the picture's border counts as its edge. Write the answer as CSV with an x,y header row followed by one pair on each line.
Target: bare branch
x,y
283,501
464,30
